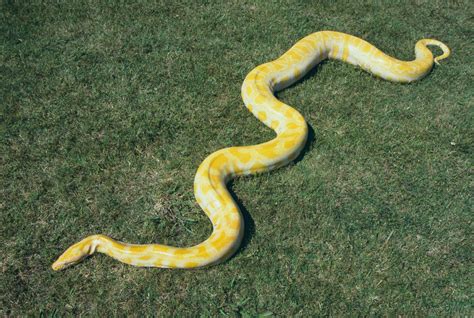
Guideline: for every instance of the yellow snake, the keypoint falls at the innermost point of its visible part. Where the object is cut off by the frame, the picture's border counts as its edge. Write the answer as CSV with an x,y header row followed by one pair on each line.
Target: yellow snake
x,y
291,129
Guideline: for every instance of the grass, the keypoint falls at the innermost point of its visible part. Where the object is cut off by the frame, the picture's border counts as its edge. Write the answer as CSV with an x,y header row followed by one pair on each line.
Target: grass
x,y
108,109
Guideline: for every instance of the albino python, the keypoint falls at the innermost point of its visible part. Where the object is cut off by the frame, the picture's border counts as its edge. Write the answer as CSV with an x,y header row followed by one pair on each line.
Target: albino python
x,y
291,129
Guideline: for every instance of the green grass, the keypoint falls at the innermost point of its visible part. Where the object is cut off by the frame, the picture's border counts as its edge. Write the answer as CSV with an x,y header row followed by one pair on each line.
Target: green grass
x,y
108,109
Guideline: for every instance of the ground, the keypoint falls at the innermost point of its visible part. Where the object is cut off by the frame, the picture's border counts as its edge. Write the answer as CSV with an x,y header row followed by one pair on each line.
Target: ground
x,y
108,109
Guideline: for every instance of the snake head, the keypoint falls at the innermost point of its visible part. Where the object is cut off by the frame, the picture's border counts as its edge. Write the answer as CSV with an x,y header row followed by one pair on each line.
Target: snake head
x,y
75,254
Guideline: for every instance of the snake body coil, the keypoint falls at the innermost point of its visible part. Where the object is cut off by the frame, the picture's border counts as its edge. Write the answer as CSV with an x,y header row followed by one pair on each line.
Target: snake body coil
x,y
291,129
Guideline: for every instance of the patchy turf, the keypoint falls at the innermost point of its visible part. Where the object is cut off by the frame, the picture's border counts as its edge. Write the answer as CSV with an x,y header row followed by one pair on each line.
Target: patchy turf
x,y
107,111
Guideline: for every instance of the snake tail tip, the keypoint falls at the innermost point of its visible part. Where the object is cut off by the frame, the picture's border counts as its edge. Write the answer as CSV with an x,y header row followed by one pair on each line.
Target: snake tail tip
x,y
444,48
439,58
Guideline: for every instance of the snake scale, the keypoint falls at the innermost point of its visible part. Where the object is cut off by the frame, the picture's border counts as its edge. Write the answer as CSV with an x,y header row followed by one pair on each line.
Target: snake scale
x,y
291,130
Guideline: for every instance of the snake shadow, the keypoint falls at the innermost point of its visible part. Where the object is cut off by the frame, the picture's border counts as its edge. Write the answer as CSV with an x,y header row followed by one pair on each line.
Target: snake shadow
x,y
311,140
249,223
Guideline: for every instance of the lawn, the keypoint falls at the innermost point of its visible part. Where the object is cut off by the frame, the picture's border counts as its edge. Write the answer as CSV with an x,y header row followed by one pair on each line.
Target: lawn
x,y
108,109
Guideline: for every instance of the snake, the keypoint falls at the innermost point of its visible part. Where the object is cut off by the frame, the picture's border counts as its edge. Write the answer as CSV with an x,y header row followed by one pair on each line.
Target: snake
x,y
291,130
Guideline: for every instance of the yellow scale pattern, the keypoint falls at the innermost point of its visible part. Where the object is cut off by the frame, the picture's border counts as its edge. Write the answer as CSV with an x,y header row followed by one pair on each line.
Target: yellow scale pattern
x,y
291,129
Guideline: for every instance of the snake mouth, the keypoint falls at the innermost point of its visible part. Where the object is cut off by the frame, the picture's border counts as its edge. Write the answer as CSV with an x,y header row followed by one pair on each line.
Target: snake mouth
x,y
60,265
57,266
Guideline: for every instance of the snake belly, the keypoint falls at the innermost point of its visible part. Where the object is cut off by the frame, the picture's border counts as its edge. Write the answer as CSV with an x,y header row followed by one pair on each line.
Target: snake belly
x,y
291,134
